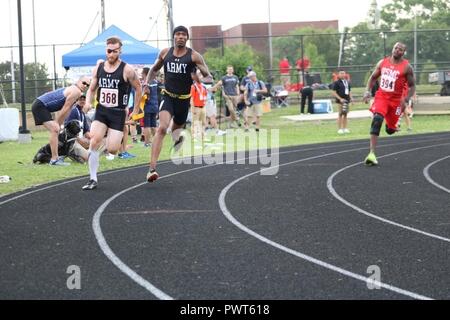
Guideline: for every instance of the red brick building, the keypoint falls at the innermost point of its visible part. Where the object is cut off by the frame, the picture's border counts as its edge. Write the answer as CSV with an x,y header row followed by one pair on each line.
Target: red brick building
x,y
255,34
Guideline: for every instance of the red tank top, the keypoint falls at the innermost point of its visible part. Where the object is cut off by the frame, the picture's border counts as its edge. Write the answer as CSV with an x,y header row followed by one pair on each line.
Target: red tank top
x,y
392,79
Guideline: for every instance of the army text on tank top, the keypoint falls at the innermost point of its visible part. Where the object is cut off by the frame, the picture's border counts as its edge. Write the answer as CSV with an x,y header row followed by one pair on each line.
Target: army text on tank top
x,y
113,91
177,72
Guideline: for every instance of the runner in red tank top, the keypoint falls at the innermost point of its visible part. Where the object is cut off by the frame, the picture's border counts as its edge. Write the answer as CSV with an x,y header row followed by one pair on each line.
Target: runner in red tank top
x,y
394,73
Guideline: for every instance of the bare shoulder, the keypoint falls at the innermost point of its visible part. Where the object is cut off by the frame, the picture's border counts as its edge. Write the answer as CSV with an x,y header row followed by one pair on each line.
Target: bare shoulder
x,y
130,73
128,69
196,57
163,53
379,63
72,92
409,69
94,71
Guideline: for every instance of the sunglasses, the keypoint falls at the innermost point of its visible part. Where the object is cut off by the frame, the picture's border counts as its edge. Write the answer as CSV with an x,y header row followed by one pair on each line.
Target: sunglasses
x,y
113,50
85,83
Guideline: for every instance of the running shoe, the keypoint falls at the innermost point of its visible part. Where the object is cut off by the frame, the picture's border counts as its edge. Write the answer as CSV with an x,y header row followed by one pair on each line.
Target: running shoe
x,y
178,144
58,162
126,155
152,175
371,159
92,184
220,132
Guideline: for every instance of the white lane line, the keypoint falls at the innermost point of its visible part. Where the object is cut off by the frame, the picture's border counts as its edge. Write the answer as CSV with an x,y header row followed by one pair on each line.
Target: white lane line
x,y
69,181
140,280
168,161
298,254
426,173
145,165
112,256
358,209
116,260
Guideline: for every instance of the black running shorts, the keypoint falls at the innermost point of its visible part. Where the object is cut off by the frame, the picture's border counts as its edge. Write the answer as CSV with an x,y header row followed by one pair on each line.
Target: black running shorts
x,y
113,118
40,113
178,108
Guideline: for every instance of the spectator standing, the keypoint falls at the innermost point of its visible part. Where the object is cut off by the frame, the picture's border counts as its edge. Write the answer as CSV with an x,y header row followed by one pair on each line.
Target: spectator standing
x,y
285,69
307,93
343,95
230,93
253,95
199,94
211,107
302,66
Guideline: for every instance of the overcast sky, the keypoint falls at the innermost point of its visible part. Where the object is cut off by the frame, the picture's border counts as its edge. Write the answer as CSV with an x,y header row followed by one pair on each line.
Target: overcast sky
x,y
65,21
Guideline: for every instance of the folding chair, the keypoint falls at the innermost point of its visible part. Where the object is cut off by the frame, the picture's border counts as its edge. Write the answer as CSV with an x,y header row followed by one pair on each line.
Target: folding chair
x,y
280,96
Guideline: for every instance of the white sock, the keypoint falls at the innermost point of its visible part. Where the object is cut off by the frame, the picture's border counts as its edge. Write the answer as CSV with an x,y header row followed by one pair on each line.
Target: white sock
x,y
93,164
176,134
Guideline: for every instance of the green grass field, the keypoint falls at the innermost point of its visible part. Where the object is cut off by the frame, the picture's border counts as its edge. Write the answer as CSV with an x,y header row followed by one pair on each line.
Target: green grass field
x,y
16,159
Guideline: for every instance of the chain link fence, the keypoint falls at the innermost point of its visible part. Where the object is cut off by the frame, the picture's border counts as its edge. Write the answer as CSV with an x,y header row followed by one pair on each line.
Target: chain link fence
x,y
357,53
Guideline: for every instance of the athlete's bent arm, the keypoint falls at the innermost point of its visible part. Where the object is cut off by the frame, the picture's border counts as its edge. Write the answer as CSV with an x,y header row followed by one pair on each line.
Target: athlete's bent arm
x,y
157,66
411,84
375,75
73,93
132,77
201,65
90,95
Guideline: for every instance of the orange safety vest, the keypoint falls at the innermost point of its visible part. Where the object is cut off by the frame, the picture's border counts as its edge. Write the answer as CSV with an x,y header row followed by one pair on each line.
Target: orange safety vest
x,y
199,94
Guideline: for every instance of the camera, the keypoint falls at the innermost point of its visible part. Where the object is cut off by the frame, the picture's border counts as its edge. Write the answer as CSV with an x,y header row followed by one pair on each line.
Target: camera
x,y
345,107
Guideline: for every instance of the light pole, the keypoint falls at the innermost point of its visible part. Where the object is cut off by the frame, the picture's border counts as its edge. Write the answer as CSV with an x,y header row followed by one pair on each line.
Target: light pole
x,y
22,71
103,14
155,24
35,59
270,44
157,33
415,41
169,19
13,73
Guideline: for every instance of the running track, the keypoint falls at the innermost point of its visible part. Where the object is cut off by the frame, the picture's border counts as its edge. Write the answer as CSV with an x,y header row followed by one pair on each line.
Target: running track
x,y
227,232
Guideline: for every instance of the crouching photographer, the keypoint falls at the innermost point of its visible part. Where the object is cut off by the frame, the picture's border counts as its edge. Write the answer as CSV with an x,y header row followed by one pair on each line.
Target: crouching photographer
x,y
66,141
79,151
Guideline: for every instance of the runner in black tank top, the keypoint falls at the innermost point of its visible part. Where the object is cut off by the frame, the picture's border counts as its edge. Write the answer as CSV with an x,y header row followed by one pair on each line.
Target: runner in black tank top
x,y
111,84
177,72
178,62
113,91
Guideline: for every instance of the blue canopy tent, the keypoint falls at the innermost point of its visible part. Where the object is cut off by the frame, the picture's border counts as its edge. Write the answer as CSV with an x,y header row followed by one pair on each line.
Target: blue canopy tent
x,y
133,51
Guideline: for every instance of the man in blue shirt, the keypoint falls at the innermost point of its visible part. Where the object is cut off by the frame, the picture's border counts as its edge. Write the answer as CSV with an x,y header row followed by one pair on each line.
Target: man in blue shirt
x,y
59,100
253,96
